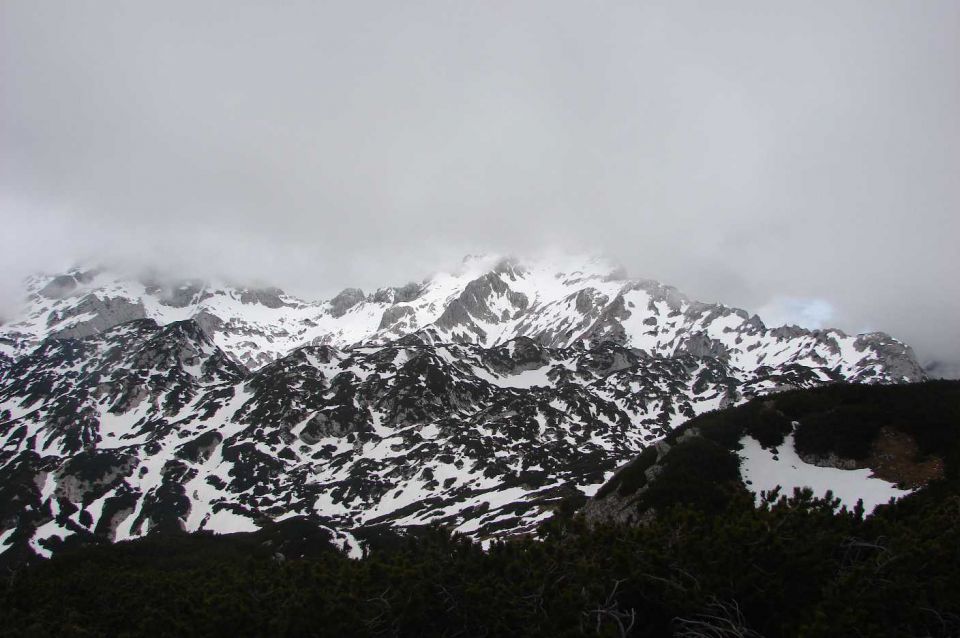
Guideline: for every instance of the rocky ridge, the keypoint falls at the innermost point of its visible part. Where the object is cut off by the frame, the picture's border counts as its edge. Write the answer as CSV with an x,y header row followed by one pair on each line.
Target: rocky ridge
x,y
477,399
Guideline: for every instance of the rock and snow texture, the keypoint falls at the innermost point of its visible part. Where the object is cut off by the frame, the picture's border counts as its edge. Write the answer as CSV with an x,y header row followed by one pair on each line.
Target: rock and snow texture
x,y
762,470
476,399
487,301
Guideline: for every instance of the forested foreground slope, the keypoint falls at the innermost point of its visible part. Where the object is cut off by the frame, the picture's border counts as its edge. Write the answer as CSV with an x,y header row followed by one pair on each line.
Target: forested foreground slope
x,y
694,555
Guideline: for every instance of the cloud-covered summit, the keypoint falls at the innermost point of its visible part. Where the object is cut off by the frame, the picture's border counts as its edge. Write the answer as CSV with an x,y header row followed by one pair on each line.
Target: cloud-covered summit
x,y
746,154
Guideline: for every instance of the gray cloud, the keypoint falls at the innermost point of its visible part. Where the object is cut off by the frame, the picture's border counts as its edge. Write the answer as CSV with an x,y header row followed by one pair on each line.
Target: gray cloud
x,y
744,152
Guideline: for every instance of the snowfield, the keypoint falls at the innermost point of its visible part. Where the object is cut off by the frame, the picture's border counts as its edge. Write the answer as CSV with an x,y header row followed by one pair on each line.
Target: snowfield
x,y
762,470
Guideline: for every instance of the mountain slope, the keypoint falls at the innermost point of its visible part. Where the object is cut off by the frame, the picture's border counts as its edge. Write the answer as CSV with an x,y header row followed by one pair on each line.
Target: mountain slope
x,y
479,400
711,562
861,443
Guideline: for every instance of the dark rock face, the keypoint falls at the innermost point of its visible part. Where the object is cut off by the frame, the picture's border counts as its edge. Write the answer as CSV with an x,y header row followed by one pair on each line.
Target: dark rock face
x,y
269,297
60,287
165,508
588,300
897,357
209,322
383,295
407,293
455,316
329,424
90,474
394,315
608,326
183,295
199,449
700,345
347,299
402,294
473,305
179,293
106,313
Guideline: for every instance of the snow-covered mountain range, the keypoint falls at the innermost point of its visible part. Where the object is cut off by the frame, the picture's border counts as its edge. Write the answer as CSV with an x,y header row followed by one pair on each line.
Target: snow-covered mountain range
x,y
478,398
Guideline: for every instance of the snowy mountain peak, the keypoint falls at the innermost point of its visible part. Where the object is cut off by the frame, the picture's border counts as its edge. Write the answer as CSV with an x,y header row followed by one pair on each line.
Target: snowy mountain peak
x,y
477,398
488,300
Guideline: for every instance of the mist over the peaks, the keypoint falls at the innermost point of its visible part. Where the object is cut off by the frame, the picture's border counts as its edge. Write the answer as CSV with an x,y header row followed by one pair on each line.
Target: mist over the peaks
x,y
796,159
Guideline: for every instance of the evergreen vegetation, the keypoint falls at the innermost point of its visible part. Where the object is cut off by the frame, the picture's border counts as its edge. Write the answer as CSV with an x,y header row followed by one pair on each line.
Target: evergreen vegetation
x,y
709,564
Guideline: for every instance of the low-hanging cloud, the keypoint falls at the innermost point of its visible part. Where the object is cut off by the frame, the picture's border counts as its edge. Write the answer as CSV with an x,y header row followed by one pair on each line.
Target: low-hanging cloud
x,y
747,152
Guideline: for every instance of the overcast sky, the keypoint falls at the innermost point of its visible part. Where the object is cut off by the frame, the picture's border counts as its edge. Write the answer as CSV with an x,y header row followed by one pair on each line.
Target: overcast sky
x,y
802,158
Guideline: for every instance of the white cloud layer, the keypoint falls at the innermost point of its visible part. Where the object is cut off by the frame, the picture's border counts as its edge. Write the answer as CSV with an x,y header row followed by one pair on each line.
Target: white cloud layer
x,y
743,151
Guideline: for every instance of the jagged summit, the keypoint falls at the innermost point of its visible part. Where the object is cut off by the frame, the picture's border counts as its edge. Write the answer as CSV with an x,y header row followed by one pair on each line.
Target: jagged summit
x,y
476,399
487,300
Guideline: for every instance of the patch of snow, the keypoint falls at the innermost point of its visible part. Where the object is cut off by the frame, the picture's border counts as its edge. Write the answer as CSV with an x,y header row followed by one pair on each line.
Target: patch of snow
x,y
762,472
228,522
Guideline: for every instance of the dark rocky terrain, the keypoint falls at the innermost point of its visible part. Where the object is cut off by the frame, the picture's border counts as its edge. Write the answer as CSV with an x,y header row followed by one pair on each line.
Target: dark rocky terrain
x,y
676,544
478,400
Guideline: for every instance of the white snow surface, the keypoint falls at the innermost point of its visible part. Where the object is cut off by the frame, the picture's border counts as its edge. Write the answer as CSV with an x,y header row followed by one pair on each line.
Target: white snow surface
x,y
762,472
